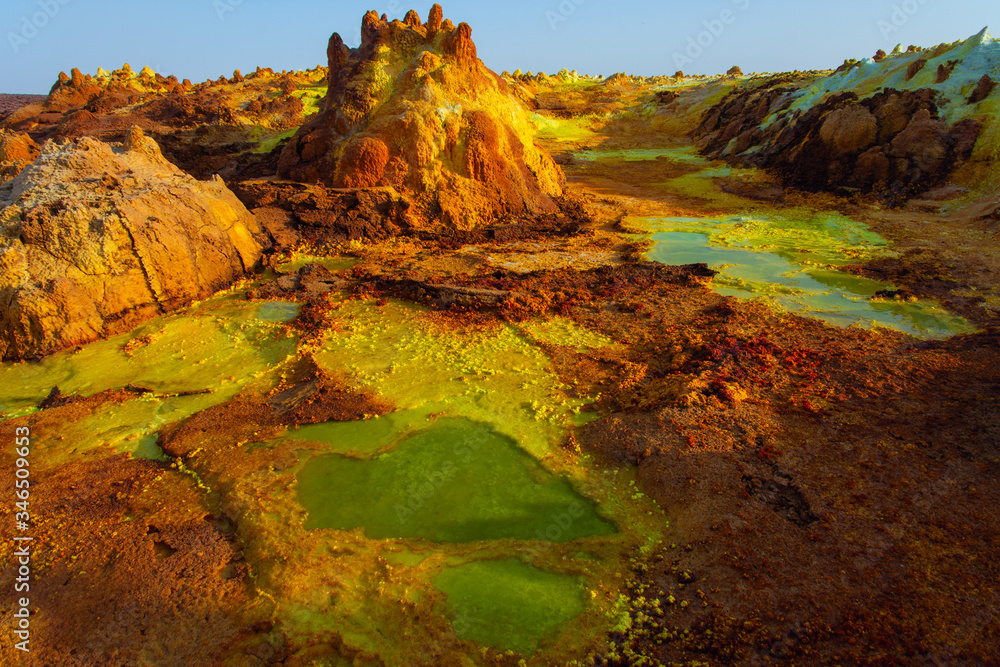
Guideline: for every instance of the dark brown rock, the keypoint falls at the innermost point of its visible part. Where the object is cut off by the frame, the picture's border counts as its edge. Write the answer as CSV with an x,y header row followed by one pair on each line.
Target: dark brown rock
x,y
320,213
892,142
849,130
337,55
925,143
983,89
945,70
915,68
893,115
965,134
873,169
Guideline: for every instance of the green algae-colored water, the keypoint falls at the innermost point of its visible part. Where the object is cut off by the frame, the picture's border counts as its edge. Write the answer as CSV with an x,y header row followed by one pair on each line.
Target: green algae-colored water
x,y
698,183
127,427
332,263
639,155
507,604
492,527
457,481
278,311
563,130
793,263
466,482
218,347
358,438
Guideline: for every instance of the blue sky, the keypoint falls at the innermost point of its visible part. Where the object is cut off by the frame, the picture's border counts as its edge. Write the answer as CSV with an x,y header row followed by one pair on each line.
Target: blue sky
x,y
200,39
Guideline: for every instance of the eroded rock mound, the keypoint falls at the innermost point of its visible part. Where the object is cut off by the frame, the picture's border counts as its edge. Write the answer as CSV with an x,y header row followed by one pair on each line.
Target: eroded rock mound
x,y
897,126
414,109
893,142
98,237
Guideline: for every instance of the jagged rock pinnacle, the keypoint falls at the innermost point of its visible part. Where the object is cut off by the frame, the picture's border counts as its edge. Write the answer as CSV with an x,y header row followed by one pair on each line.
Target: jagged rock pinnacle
x,y
415,110
434,19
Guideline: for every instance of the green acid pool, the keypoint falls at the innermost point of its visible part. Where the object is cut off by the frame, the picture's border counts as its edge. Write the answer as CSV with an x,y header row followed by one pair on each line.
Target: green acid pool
x,y
457,481
298,261
187,361
795,263
461,519
499,534
509,605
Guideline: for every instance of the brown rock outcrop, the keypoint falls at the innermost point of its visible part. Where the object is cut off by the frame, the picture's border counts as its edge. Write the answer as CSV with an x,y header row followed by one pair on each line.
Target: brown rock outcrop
x,y
915,68
318,213
924,143
412,19
983,89
16,152
415,110
892,142
849,130
98,237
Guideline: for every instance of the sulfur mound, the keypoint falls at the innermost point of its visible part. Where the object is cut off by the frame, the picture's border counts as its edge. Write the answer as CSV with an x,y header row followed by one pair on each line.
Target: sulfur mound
x,y
98,237
414,109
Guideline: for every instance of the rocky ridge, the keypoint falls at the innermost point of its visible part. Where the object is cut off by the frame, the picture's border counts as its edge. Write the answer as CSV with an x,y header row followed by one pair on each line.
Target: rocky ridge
x,y
97,238
897,125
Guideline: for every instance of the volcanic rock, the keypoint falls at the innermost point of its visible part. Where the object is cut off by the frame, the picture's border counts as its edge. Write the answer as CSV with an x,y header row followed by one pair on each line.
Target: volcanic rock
x,y
98,237
16,152
415,110
983,89
924,143
412,19
915,68
893,141
434,20
849,130
291,211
